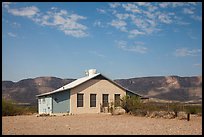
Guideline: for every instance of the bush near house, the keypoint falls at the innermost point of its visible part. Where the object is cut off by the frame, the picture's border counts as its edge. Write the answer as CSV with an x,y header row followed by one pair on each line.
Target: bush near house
x,y
131,103
10,109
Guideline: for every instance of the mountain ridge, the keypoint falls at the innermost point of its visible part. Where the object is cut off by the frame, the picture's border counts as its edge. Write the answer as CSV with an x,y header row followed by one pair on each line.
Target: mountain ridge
x,y
161,87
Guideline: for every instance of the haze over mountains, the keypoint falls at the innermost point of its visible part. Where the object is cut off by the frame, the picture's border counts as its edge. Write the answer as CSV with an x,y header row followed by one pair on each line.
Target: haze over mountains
x,y
161,87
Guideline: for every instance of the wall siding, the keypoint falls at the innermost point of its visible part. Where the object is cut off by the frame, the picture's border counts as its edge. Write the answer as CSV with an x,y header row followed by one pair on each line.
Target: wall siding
x,y
62,104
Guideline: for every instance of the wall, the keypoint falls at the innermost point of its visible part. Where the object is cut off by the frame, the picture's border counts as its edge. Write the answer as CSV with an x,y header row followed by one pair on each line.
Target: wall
x,y
95,86
61,102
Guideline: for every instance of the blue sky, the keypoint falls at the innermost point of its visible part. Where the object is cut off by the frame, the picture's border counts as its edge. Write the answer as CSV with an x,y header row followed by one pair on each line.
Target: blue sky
x,y
120,40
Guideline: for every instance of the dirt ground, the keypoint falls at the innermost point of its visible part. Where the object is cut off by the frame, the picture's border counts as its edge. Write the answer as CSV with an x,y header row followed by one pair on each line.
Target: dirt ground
x,y
99,124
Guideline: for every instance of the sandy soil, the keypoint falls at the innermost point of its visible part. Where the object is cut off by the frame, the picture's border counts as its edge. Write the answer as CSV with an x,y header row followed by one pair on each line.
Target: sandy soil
x,y
99,124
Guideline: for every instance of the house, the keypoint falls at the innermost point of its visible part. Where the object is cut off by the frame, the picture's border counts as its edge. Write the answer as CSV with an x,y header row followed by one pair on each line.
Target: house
x,y
90,94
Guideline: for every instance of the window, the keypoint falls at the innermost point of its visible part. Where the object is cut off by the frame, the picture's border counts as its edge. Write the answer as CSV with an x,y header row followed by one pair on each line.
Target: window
x,y
105,100
92,100
117,100
80,100
39,101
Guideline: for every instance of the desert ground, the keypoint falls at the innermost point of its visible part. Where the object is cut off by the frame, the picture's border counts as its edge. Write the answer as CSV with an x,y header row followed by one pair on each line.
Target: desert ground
x,y
99,124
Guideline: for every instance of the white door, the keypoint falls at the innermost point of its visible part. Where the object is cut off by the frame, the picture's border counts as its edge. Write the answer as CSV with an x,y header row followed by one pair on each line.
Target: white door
x,y
49,105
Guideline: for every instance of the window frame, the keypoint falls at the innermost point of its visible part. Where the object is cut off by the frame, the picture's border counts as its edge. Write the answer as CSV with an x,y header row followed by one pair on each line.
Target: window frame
x,y
105,102
93,101
116,102
81,100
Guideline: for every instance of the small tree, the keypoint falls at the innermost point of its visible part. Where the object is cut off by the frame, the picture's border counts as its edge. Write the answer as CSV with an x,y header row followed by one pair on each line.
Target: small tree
x,y
130,103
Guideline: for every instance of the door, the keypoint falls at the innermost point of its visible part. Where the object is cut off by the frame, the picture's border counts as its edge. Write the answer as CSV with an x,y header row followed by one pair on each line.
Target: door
x,y
49,105
105,104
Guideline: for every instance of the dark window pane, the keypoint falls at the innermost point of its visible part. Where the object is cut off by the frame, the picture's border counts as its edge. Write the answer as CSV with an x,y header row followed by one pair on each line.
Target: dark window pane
x,y
117,100
105,100
92,100
80,100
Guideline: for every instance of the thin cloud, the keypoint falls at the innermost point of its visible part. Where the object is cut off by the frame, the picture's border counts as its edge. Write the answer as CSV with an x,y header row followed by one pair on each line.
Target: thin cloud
x,y
131,7
164,4
182,52
152,8
122,16
119,24
177,4
187,11
54,8
75,33
196,17
99,24
137,48
97,54
114,5
16,25
146,17
121,43
198,65
165,18
12,34
191,35
27,11
134,33
60,19
142,3
182,23
6,4
102,11
68,23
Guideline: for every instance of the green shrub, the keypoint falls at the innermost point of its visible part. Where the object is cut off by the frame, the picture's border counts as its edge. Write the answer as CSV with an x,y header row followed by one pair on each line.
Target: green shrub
x,y
135,106
193,109
10,109
175,107
130,103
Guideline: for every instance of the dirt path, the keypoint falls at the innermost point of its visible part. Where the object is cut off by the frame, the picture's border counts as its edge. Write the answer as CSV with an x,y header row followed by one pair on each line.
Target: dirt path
x,y
99,124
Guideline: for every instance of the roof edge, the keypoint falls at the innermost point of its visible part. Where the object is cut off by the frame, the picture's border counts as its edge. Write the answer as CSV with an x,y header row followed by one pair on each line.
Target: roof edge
x,y
61,88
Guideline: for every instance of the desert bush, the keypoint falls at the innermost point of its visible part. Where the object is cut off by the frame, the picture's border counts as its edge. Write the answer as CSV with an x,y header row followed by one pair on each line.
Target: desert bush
x,y
139,112
10,109
193,109
175,107
130,103
133,105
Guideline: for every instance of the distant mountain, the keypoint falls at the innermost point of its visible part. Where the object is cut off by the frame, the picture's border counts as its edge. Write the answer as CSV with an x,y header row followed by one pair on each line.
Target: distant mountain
x,y
166,88
25,91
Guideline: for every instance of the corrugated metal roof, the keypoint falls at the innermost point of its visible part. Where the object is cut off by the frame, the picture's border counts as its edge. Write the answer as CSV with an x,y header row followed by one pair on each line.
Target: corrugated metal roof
x,y
71,85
